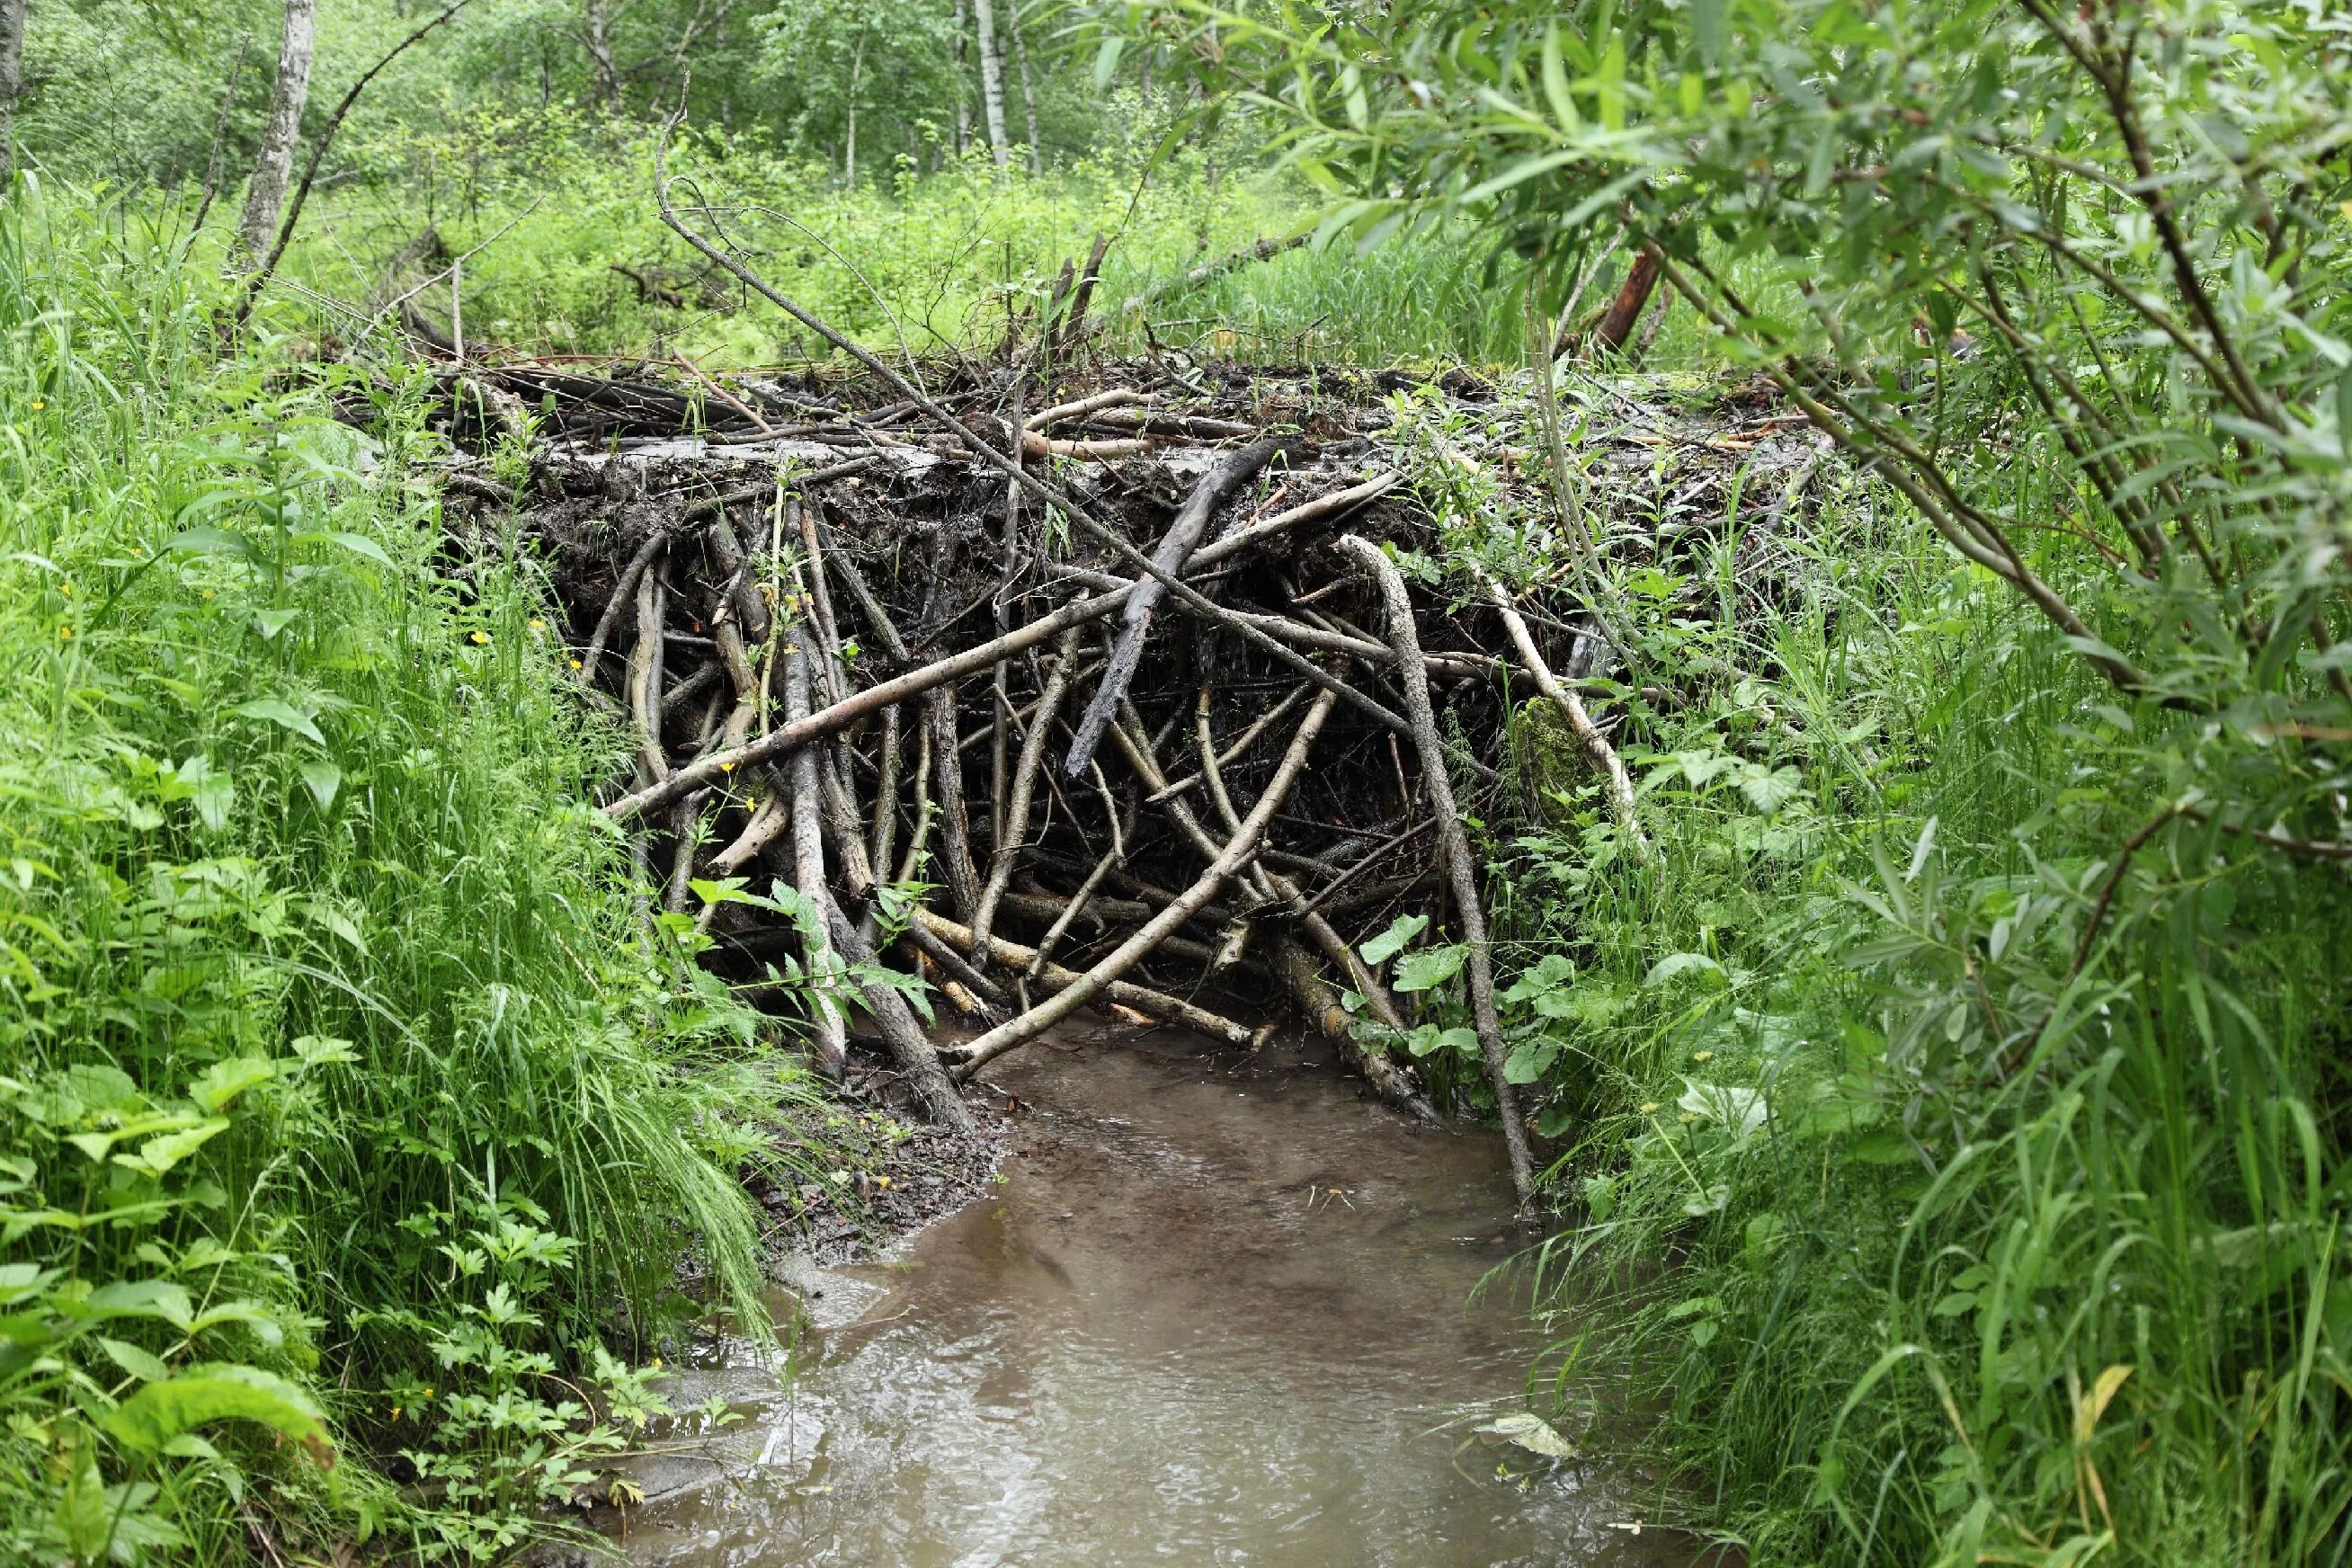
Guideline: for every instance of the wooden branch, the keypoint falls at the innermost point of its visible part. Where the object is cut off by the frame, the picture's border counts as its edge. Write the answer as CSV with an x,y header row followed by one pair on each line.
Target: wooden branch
x,y
1391,1079
1580,724
1038,1020
1056,980
1455,844
1007,849
956,868
830,1043
902,1036
1175,549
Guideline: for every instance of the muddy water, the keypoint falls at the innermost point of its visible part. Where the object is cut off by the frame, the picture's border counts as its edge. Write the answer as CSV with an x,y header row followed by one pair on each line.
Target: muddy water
x,y
1216,1314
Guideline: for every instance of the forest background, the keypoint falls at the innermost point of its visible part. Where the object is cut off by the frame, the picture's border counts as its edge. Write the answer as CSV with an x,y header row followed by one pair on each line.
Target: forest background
x,y
1946,1110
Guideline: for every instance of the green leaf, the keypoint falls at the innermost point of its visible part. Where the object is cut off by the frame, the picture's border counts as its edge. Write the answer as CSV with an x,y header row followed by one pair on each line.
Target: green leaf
x,y
1431,967
162,1411
1379,950
1675,965
142,1364
223,1081
323,778
1530,1060
284,714
321,1050
159,1154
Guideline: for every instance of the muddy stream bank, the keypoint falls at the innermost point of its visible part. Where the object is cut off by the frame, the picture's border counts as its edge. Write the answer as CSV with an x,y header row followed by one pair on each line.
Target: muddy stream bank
x,y
1219,1311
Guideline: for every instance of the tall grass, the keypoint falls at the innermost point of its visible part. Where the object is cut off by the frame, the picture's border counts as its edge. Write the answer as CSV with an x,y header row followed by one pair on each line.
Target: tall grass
x,y
325,1000
1932,1229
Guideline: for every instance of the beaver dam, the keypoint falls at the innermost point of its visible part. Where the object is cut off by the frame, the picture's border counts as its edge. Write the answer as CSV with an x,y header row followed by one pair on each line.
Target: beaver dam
x,y
1151,707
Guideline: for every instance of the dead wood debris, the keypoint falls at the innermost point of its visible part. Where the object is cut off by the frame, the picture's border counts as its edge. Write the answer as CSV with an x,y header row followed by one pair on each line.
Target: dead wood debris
x,y
784,584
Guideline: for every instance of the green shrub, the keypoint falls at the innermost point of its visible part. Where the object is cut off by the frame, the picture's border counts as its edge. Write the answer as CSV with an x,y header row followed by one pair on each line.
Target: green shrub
x,y
332,1060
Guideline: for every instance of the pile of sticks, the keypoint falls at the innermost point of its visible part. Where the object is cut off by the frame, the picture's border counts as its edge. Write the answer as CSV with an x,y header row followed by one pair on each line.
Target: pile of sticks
x,y
855,659
1055,687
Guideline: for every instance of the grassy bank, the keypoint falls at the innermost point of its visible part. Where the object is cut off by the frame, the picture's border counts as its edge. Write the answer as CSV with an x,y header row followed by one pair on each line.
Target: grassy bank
x,y
351,1131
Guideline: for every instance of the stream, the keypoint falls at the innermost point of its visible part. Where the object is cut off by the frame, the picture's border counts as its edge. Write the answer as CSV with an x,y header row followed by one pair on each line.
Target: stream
x,y
1220,1311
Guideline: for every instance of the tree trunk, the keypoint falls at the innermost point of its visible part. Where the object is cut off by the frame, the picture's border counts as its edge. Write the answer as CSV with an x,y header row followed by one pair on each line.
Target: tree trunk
x,y
1617,323
606,76
991,80
12,78
275,163
962,75
1028,91
849,140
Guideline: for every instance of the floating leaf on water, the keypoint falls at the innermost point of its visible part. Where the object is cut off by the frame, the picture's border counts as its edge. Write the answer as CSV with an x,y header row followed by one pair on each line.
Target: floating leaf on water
x,y
1532,1433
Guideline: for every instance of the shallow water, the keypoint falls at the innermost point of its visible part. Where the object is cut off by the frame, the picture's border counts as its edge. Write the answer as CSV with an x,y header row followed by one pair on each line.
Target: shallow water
x,y
1216,1314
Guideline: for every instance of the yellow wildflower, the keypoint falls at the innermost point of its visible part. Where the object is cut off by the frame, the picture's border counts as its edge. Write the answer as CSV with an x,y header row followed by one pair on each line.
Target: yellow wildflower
x,y
478,638
1702,1056
575,664
537,625
65,631
1651,1107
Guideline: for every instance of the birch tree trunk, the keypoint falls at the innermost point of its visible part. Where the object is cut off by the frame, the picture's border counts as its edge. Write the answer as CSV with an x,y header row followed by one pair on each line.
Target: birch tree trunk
x,y
992,82
1028,92
850,140
275,163
12,78
607,75
962,75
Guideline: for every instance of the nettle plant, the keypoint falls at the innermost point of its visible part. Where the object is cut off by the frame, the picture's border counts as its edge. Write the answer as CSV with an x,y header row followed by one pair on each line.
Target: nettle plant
x,y
2112,236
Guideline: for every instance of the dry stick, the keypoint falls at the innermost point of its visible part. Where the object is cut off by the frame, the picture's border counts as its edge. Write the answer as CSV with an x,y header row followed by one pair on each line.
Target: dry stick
x,y
682,822
1580,724
769,820
1175,548
1137,747
1117,397
795,733
1455,844
644,676
1057,979
885,827
916,841
1052,495
1062,1003
916,681
622,589
1370,855
955,827
1073,327
1113,857
908,1045
830,1042
1392,1080
895,1019
935,948
1016,826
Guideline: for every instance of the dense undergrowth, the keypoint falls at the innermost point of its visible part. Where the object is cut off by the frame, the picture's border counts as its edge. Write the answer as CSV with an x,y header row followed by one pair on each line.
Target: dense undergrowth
x,y
565,253
351,1131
